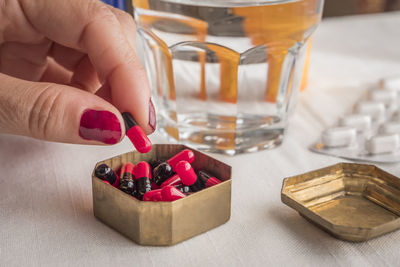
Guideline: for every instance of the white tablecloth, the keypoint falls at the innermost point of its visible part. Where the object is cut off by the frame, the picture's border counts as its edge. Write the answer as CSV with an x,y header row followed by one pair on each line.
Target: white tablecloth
x,y
45,188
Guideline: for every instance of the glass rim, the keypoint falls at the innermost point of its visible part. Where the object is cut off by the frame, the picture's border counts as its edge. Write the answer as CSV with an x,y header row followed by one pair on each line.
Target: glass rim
x,y
228,3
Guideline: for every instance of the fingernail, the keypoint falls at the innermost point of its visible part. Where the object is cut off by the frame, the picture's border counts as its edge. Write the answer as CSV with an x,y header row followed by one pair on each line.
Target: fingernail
x,y
152,116
100,125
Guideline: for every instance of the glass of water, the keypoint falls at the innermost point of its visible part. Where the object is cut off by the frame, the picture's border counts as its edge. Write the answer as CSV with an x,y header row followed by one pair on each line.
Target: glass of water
x,y
225,73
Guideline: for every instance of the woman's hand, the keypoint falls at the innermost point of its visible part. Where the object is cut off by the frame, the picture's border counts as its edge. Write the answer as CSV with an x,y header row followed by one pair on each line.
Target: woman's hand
x,y
67,71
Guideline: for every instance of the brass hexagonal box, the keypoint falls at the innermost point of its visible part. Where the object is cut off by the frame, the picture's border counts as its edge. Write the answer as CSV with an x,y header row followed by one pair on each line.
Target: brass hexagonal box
x,y
164,223
353,202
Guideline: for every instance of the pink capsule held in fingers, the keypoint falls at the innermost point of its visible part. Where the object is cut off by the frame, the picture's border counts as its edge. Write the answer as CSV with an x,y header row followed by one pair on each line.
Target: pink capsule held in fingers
x,y
138,138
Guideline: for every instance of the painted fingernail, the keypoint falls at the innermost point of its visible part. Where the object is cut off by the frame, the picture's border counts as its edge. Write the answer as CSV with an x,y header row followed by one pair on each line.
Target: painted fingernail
x,y
152,116
100,125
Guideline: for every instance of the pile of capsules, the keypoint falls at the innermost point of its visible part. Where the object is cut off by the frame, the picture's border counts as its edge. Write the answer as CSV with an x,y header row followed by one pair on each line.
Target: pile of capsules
x,y
371,131
158,181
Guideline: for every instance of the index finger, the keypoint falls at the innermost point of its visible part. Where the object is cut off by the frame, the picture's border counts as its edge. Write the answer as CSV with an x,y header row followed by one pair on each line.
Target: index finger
x,y
91,27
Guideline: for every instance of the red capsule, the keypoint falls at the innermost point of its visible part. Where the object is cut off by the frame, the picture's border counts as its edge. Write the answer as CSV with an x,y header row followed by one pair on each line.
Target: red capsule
x,y
154,185
127,168
185,154
174,180
116,183
212,181
107,174
207,179
142,169
153,195
142,176
186,172
157,197
127,183
170,193
138,138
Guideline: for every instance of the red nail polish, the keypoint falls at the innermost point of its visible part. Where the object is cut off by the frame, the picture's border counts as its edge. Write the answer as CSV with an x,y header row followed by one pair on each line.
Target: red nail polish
x,y
138,138
207,179
170,193
174,180
100,125
153,195
185,154
152,116
188,176
142,176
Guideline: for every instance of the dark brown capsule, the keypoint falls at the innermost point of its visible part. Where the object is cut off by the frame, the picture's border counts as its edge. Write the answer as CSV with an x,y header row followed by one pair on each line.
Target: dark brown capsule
x,y
127,183
207,179
166,169
143,176
162,172
107,174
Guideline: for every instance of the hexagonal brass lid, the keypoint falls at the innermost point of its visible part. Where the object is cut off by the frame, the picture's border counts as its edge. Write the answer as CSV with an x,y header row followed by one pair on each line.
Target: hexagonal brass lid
x,y
353,202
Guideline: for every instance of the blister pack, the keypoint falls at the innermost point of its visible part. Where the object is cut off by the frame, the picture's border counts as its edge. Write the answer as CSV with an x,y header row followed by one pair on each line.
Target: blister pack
x,y
371,131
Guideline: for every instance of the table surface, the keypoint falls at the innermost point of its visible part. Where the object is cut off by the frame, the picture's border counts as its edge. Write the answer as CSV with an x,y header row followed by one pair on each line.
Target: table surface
x,y
46,199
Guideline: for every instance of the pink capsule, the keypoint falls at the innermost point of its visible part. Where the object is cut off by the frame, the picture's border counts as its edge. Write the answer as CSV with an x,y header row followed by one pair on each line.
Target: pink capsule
x,y
207,179
138,138
212,181
157,197
116,183
142,179
186,172
126,168
154,185
170,193
174,180
185,154
142,169
127,183
153,195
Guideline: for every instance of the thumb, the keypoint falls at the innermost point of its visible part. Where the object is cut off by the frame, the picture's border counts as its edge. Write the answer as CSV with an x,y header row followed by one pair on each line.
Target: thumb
x,y
56,112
